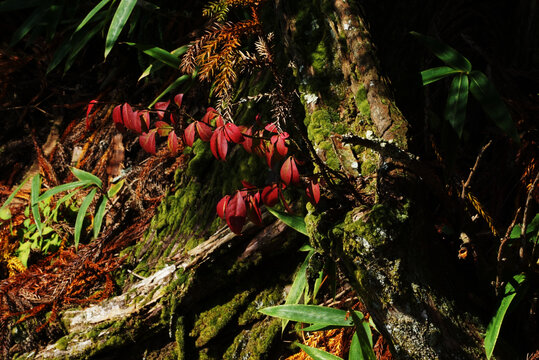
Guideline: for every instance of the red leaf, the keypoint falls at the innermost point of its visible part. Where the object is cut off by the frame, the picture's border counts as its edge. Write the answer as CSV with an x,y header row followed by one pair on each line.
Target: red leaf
x,y
257,119
219,121
178,100
210,114
163,128
218,144
145,114
313,192
172,142
147,141
271,128
283,200
247,140
282,149
254,213
289,171
189,134
204,131
221,206
129,118
235,213
161,107
233,133
247,185
90,106
270,150
117,115
270,195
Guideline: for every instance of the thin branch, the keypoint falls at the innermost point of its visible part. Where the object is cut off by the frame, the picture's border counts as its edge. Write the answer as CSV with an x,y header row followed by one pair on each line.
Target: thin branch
x,y
525,218
474,169
499,264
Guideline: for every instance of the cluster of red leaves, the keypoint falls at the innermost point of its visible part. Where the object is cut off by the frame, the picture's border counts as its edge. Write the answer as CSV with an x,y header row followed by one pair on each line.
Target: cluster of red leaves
x,y
245,204
138,121
270,143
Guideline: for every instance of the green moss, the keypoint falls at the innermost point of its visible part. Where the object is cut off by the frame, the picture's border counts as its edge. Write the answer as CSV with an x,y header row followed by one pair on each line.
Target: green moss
x,y
365,230
319,227
209,323
362,103
62,343
319,58
268,297
254,344
179,336
368,166
204,355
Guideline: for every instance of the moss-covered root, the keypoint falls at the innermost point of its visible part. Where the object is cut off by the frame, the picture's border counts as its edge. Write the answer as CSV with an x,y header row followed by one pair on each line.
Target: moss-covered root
x,y
254,344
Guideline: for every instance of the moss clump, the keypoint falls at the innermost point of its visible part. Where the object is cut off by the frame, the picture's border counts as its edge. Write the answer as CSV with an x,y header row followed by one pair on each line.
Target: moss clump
x,y
254,344
62,343
368,166
268,297
319,58
321,125
179,336
362,103
319,227
209,323
365,230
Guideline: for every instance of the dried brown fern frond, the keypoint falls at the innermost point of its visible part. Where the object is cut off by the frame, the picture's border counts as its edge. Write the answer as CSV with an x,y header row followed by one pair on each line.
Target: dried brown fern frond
x,y
217,53
263,48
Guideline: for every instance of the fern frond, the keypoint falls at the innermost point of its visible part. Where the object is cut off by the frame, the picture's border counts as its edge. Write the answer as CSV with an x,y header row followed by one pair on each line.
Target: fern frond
x,y
216,10
477,205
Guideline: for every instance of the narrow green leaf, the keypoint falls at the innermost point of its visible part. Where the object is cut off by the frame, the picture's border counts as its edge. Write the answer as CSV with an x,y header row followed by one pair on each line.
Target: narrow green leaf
x,y
81,214
30,22
532,227
312,314
364,336
295,222
81,42
444,52
99,214
457,99
118,22
34,202
91,14
61,188
87,177
431,75
493,329
492,103
318,354
115,188
152,68
65,198
77,41
53,18
355,349
298,285
318,283
14,193
159,54
170,88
